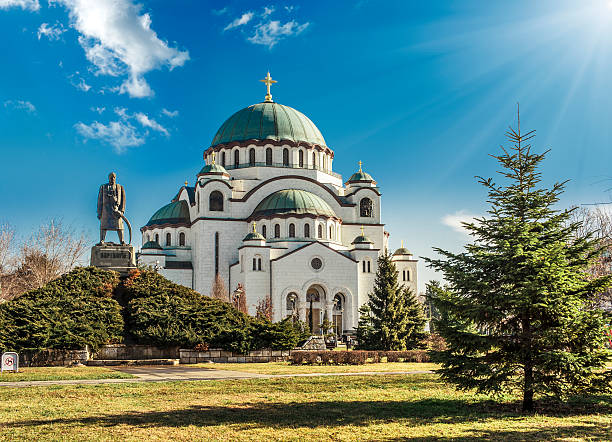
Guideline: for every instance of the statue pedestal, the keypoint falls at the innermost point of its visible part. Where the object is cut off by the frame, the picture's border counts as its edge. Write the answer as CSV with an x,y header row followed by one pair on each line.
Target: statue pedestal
x,y
120,258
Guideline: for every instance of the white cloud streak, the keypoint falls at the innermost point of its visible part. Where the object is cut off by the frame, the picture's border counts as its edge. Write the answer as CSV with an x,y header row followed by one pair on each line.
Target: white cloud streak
x,y
31,5
145,121
171,114
240,21
118,40
271,32
20,105
455,220
268,10
52,32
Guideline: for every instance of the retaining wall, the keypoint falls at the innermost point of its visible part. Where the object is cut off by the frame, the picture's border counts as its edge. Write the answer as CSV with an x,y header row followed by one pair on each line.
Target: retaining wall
x,y
214,355
132,352
52,357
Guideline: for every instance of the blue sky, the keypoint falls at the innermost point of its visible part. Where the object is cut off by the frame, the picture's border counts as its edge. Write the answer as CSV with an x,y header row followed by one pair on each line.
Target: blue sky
x,y
421,92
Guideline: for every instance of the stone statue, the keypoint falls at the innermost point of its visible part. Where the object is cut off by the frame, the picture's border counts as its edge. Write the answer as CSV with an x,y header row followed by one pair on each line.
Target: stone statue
x,y
111,206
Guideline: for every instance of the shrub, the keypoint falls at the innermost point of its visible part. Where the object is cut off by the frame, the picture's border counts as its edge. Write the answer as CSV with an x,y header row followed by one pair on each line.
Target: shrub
x,y
162,313
70,312
283,335
356,357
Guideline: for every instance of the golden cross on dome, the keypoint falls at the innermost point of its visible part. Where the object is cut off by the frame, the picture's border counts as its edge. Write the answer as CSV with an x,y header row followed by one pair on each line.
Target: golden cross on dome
x,y
402,244
213,157
254,229
362,234
360,163
268,81
186,183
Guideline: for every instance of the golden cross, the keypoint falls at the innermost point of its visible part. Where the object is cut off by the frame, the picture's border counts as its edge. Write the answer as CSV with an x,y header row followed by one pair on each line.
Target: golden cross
x,y
213,157
268,81
360,165
254,229
362,234
186,183
402,244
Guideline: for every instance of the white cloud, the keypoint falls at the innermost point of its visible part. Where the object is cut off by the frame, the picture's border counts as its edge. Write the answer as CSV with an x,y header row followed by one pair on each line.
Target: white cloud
x,y
455,220
119,134
171,114
31,5
268,10
242,20
82,85
20,105
118,40
145,121
219,11
52,32
99,109
271,32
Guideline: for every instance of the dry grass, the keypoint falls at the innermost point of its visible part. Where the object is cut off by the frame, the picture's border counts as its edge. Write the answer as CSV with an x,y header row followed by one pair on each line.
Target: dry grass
x,y
415,407
62,373
286,368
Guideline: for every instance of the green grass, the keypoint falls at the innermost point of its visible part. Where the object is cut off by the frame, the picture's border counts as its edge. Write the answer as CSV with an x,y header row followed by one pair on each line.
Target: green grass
x,y
414,407
286,368
62,373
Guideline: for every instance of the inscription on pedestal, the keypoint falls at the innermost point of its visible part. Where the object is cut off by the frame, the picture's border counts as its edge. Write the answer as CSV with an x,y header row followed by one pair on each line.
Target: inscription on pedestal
x,y
120,258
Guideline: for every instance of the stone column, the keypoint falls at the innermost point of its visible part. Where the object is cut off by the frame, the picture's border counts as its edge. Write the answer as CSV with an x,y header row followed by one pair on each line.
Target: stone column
x,y
329,307
302,310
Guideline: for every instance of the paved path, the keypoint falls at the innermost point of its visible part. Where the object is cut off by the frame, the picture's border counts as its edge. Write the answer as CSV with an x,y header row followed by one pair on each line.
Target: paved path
x,y
187,373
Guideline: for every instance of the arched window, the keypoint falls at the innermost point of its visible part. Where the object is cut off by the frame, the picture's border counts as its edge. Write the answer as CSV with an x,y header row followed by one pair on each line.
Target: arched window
x,y
148,238
338,302
301,154
268,156
168,240
215,201
291,230
264,231
223,159
216,253
157,238
259,264
292,300
331,232
364,266
198,200
251,157
365,207
314,160
320,232
254,264
369,269
285,157
307,231
182,239
236,158
277,231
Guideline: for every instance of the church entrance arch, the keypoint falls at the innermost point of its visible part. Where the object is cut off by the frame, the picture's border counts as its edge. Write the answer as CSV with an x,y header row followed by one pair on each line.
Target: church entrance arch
x,y
315,307
338,313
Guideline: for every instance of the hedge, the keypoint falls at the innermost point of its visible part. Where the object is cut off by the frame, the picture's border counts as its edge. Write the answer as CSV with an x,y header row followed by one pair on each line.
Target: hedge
x,y
68,313
356,357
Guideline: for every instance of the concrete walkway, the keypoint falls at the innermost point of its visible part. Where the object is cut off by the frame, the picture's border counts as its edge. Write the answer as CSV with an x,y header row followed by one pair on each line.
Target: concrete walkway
x,y
187,373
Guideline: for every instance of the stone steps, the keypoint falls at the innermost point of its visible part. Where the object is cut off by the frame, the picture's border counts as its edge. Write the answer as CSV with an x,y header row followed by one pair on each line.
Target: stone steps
x,y
115,362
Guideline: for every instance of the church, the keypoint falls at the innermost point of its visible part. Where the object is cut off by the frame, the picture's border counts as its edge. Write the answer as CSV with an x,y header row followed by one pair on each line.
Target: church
x,y
269,216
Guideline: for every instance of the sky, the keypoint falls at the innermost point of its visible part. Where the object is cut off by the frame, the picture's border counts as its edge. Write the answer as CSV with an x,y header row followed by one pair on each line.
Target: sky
x,y
421,92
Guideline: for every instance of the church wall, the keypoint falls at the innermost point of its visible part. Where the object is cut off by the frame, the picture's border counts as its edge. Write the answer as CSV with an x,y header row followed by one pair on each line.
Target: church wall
x,y
178,276
410,265
256,282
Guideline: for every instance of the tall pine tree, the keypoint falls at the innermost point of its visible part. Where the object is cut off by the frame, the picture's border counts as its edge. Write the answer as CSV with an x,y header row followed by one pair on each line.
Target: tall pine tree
x,y
392,319
515,308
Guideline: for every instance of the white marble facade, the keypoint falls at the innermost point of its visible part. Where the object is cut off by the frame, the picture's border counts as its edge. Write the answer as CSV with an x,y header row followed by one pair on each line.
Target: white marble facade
x,y
317,239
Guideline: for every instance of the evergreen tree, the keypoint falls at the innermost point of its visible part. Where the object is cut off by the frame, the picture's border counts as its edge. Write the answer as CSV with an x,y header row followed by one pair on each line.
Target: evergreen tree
x,y
393,318
514,311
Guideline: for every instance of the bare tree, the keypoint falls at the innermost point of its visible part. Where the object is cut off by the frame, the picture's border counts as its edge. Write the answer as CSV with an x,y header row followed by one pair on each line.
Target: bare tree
x,y
598,223
8,261
239,300
263,308
54,249
218,289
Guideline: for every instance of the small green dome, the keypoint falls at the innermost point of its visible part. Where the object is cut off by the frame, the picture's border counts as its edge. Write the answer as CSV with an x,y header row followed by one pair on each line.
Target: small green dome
x,y
402,251
268,121
176,212
360,176
362,239
292,202
213,169
254,236
151,245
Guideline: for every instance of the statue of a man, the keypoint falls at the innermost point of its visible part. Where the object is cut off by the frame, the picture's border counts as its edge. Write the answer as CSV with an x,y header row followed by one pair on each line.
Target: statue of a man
x,y
111,206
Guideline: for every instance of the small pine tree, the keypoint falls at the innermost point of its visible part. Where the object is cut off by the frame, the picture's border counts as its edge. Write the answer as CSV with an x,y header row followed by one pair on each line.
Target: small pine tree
x,y
393,318
514,313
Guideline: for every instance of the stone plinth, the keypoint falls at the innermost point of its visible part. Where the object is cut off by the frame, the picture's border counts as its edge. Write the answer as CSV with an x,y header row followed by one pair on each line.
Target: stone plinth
x,y
120,258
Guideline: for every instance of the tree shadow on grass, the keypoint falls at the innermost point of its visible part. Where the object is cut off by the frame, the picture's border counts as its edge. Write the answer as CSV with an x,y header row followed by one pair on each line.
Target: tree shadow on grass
x,y
315,414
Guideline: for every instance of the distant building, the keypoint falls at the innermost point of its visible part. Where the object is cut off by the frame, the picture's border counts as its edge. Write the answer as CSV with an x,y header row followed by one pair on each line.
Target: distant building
x,y
267,212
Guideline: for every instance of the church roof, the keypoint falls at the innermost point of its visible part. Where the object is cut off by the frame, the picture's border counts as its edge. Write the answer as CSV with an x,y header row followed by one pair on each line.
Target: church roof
x,y
268,121
151,245
292,202
362,239
213,169
402,251
360,176
176,212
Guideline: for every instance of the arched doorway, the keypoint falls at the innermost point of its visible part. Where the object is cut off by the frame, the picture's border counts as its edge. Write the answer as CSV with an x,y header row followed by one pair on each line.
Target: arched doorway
x,y
315,308
338,313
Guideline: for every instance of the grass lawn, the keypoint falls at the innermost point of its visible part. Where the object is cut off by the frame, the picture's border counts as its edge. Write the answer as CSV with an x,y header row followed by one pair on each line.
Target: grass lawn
x,y
62,373
286,368
413,407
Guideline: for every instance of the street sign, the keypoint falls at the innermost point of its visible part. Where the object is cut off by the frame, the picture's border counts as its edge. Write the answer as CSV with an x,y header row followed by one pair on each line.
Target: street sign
x,y
10,362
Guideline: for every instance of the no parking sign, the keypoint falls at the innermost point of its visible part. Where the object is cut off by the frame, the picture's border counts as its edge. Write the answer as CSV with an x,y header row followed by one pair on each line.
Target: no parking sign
x,y
10,362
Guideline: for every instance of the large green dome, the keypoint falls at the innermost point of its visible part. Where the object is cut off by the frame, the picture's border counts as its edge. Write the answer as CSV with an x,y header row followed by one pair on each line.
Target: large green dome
x,y
268,121
177,212
292,202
